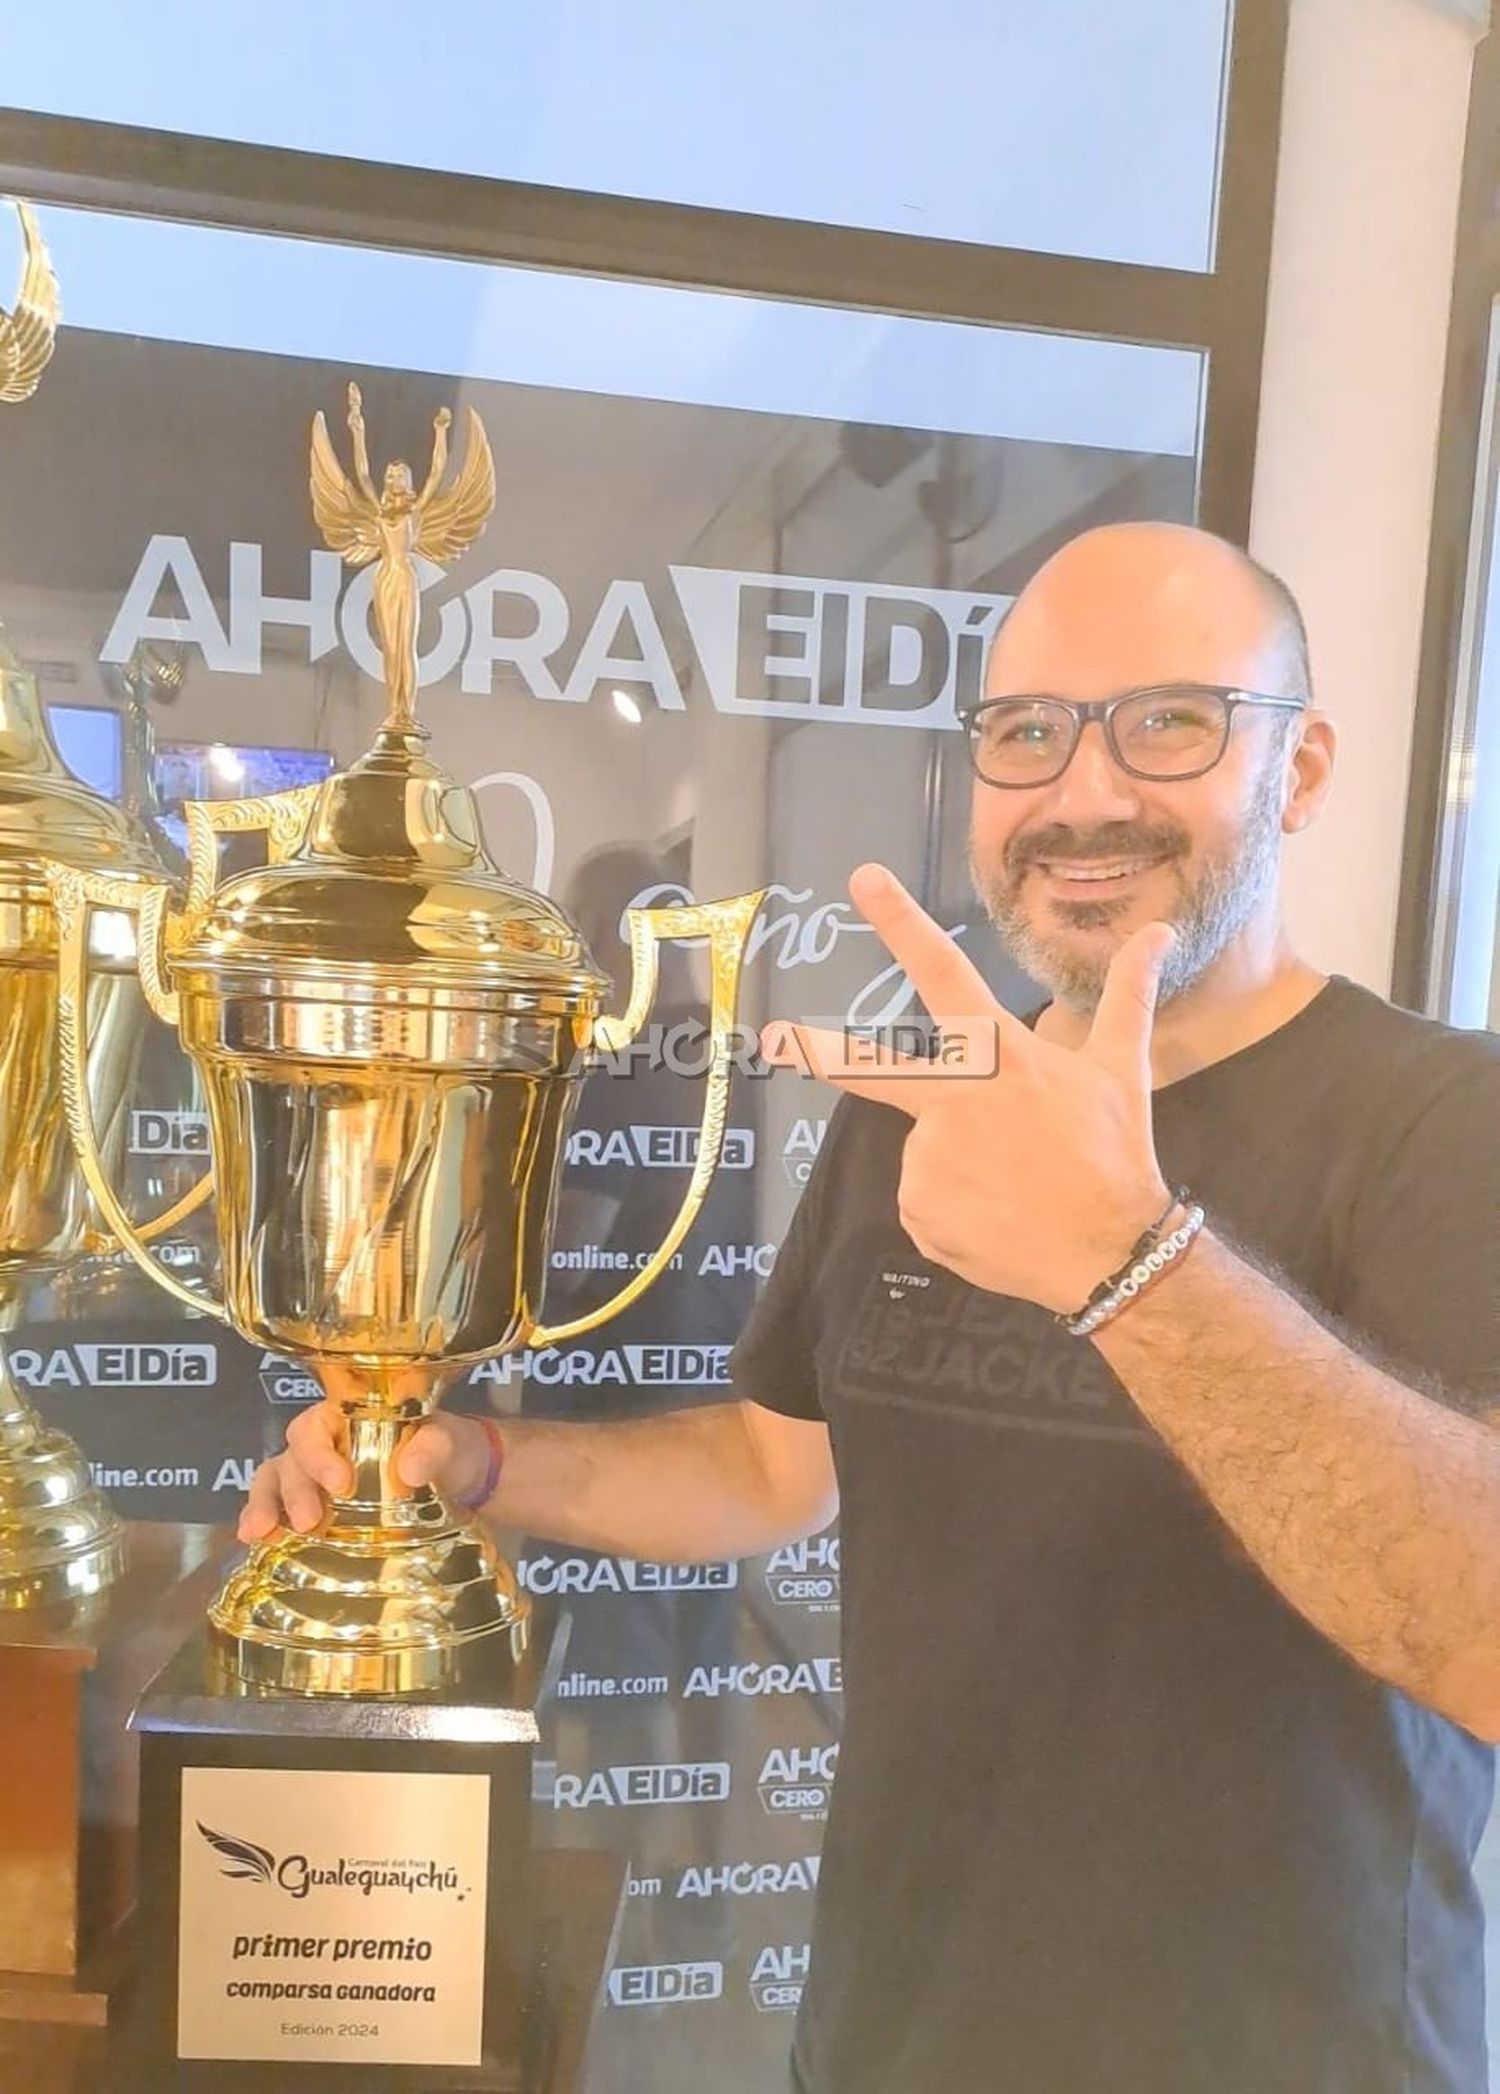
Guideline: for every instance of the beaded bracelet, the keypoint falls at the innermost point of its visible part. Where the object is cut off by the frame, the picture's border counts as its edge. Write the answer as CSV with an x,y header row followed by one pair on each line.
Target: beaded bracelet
x,y
1137,1273
1148,1239
492,1474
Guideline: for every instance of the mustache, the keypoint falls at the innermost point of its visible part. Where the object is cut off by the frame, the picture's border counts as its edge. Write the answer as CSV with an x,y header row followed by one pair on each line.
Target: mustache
x,y
1084,847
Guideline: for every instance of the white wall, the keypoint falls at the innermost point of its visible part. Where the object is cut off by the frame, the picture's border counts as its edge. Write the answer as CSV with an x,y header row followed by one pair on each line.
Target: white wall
x,y
1361,275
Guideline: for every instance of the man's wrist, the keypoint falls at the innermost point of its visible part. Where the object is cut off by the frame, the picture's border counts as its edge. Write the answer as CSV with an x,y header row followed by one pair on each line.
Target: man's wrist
x,y
475,1499
1152,1256
1121,1236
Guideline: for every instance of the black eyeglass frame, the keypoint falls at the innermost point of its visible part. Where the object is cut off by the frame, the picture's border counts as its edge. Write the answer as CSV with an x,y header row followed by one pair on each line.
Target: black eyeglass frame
x,y
1082,711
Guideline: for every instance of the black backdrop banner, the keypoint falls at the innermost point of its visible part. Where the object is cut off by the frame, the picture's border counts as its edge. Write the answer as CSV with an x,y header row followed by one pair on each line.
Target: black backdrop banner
x,y
698,650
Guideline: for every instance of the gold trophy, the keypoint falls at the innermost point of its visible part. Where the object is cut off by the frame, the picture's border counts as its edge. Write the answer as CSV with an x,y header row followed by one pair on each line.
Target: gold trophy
x,y
390,1035
59,1540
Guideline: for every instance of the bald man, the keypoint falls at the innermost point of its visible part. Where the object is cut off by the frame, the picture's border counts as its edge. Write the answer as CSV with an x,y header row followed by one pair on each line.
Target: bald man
x,y
1154,1376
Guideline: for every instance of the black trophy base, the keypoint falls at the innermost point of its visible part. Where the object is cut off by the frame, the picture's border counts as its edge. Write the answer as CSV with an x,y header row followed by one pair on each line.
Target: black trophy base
x,y
315,1910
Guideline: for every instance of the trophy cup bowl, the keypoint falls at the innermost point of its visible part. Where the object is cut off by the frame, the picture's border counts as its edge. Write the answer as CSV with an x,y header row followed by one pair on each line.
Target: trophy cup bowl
x,y
391,1043
390,1035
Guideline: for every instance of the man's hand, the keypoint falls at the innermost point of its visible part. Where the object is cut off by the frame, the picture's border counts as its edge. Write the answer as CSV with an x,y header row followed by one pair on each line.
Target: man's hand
x,y
292,1489
1034,1177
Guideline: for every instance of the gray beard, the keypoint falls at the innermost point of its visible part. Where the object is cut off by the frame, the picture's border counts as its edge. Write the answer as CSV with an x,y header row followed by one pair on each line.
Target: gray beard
x,y
1214,906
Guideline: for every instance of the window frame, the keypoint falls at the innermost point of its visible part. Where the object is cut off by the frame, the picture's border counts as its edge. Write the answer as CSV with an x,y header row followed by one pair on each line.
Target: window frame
x,y
1462,519
1221,311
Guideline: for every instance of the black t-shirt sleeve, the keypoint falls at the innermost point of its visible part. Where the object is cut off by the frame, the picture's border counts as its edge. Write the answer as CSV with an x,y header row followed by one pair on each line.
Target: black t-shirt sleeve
x,y
774,1362
1422,1261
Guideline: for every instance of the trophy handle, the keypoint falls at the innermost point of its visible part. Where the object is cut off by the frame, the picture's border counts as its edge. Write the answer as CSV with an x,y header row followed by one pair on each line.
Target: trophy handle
x,y
727,926
74,894
283,818
280,817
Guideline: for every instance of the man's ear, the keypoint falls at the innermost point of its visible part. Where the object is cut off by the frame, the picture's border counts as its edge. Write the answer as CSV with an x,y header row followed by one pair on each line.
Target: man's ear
x,y
1309,770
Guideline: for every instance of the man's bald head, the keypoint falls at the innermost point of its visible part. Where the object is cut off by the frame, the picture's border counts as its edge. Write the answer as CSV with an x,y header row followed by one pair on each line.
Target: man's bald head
x,y
1130,604
1067,868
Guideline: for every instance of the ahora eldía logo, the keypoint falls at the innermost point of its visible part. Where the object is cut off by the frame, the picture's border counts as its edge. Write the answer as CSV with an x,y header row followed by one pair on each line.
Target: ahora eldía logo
x,y
121,1366
877,655
656,1148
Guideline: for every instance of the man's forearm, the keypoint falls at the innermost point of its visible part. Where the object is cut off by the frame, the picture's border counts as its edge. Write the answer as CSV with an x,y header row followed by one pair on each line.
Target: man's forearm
x,y
1373,1509
685,1487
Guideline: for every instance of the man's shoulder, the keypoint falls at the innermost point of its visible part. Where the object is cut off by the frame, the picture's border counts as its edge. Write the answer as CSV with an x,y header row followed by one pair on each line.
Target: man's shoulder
x,y
1415,1103
1408,1053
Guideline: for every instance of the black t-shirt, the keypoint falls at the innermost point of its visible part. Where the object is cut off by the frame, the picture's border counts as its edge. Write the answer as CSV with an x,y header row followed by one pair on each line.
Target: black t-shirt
x,y
1110,1817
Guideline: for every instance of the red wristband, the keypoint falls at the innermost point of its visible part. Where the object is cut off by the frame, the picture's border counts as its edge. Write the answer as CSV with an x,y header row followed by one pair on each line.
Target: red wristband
x,y
491,1482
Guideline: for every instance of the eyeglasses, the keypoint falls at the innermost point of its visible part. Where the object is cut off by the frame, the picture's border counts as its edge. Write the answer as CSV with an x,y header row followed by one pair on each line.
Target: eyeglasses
x,y
1167,731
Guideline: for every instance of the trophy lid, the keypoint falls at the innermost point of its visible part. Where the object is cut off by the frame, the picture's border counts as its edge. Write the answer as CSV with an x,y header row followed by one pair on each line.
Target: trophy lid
x,y
392,885
47,813
390,892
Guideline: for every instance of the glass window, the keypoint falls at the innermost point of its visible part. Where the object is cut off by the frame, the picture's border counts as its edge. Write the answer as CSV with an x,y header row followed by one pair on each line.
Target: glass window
x,y
743,562
89,740
1080,128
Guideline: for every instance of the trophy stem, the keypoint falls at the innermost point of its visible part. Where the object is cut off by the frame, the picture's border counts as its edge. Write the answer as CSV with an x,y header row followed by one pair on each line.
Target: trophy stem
x,y
60,1542
373,1427
389,1592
